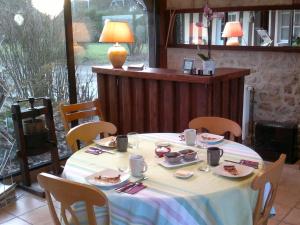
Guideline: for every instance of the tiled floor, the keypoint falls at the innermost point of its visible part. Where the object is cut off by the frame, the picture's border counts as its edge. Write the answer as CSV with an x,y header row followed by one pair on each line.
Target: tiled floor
x,y
32,210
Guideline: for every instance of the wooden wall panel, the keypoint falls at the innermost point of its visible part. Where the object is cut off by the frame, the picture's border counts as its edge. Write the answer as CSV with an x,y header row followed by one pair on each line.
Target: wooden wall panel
x,y
234,100
217,99
167,106
112,105
138,105
162,101
182,108
152,102
102,94
225,99
198,100
240,100
125,105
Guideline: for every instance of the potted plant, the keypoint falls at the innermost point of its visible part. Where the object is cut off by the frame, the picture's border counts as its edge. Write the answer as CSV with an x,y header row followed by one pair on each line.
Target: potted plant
x,y
208,63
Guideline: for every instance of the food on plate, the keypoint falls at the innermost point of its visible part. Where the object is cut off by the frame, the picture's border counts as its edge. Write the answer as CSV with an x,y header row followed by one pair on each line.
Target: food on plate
x,y
208,138
109,179
188,154
172,157
161,151
231,169
112,142
183,173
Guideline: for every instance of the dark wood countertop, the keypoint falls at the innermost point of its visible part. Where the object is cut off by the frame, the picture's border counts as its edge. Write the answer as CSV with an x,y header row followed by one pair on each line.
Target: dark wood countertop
x,y
221,74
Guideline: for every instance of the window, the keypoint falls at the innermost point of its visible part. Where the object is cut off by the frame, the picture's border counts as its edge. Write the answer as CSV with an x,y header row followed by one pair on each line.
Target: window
x,y
283,26
32,63
296,28
88,20
233,16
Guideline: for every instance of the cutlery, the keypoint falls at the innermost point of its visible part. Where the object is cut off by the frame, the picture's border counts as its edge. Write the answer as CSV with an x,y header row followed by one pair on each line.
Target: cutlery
x,y
134,186
124,187
226,160
244,163
102,150
130,185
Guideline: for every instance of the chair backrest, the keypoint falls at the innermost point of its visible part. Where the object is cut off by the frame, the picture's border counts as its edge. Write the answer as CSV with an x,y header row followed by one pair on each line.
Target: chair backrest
x,y
272,175
87,132
78,111
216,125
67,193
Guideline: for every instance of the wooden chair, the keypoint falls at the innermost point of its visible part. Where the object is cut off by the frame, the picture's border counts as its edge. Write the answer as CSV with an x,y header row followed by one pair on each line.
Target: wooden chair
x,y
216,125
272,175
67,193
78,111
87,132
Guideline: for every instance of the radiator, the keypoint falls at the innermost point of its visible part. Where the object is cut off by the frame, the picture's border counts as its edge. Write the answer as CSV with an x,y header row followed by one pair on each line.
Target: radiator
x,y
247,114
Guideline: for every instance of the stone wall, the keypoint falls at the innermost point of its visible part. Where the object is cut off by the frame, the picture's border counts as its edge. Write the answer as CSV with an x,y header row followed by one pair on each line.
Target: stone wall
x,y
275,77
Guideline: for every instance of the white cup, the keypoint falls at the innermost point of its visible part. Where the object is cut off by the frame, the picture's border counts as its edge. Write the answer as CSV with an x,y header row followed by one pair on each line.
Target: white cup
x,y
190,136
137,165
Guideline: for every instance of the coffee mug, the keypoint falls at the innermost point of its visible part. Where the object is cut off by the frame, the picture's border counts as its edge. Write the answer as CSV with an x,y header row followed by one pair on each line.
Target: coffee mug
x,y
137,165
213,155
190,136
122,143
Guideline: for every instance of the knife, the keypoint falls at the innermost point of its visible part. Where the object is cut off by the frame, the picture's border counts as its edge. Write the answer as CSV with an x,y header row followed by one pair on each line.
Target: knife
x,y
102,150
124,187
130,185
232,161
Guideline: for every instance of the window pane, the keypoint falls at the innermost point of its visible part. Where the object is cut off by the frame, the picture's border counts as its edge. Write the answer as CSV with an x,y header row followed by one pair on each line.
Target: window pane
x,y
284,34
32,63
285,19
297,19
88,22
297,32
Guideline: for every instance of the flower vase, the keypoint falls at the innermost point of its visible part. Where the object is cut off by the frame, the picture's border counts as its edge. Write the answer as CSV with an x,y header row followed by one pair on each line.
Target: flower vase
x,y
209,67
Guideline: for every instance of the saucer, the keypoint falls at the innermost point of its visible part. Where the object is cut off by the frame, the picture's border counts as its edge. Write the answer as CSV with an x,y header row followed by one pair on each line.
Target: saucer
x,y
183,174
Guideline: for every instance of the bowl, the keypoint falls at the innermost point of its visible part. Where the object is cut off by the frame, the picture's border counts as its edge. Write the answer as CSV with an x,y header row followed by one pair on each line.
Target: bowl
x,y
173,157
188,154
161,151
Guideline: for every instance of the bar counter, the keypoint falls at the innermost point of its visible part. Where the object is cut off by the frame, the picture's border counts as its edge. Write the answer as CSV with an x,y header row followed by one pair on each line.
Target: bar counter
x,y
165,100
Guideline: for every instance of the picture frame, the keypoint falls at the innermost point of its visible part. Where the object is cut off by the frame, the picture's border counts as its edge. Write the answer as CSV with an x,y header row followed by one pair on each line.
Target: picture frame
x,y
188,65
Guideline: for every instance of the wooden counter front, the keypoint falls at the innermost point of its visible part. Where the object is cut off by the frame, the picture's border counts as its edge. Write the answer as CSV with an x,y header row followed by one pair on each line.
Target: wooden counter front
x,y
165,100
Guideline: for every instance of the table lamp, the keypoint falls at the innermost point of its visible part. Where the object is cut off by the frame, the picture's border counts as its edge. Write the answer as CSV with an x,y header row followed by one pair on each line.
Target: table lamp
x,y
232,31
116,32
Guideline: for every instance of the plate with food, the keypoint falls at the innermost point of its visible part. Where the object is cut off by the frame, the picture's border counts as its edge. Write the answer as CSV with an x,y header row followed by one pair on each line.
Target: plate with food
x,y
183,174
210,138
108,178
232,170
108,142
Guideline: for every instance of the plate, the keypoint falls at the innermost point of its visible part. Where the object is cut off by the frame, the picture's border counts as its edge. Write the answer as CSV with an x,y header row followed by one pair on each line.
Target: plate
x,y
108,173
106,142
210,138
182,162
242,170
183,174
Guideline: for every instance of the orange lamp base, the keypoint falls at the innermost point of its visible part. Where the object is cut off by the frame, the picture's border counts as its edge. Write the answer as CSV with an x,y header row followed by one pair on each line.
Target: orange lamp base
x,y
117,55
233,41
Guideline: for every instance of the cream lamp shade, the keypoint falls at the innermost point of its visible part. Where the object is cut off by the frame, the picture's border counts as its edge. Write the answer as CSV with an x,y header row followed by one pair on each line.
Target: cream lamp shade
x,y
232,31
116,32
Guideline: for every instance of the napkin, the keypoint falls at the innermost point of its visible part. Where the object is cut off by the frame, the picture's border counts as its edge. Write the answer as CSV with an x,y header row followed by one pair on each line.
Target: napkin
x,y
131,188
135,189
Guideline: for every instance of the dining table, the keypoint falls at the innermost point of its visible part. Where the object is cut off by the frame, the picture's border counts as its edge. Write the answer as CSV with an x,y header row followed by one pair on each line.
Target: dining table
x,y
204,198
